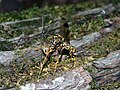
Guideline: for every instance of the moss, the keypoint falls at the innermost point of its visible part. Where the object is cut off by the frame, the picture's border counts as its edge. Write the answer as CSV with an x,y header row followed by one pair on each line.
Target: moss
x,y
6,46
29,70
105,45
110,86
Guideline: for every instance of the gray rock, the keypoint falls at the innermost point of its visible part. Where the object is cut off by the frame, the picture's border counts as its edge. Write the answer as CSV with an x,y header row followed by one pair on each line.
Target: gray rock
x,y
111,61
111,25
6,57
91,37
88,39
105,31
77,79
107,69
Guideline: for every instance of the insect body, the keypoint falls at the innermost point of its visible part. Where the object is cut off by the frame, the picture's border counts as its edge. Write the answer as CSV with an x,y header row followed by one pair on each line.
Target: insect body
x,y
58,47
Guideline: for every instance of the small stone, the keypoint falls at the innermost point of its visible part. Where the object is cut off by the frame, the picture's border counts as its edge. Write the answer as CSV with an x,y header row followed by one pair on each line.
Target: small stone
x,y
6,57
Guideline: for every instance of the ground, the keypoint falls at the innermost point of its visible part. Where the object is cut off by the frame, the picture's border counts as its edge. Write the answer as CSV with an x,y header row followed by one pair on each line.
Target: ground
x,y
79,27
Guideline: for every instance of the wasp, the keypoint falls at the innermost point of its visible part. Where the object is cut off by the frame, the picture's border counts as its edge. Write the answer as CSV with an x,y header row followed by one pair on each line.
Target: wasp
x,y
58,47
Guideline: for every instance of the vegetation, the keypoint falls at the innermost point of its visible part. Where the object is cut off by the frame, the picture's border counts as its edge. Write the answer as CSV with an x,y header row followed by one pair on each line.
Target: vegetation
x,y
28,70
